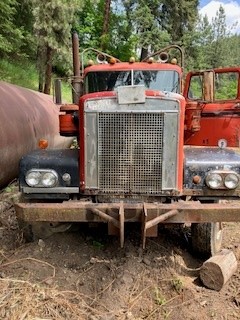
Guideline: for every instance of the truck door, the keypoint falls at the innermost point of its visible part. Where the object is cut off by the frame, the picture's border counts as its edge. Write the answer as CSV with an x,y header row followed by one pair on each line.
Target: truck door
x,y
213,107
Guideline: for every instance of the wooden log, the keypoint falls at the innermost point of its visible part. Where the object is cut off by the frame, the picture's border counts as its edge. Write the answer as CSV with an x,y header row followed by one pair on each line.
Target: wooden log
x,y
217,270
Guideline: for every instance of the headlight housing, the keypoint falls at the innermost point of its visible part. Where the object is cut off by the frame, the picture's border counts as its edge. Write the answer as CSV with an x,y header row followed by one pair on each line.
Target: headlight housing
x,y
33,178
222,179
214,180
45,178
231,181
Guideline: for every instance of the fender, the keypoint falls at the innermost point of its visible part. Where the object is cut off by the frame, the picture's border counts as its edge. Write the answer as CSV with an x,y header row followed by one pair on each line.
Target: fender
x,y
62,162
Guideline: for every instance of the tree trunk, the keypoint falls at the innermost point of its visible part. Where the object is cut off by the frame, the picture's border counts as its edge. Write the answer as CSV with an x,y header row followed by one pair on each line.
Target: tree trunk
x,y
106,20
41,61
48,72
40,81
144,53
217,270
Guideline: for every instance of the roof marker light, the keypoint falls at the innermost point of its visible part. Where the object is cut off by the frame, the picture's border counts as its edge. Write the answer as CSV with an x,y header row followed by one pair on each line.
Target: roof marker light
x,y
174,61
151,60
112,60
90,62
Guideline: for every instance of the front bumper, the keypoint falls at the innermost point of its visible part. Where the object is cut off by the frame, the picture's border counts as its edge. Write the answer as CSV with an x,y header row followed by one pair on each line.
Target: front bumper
x,y
116,214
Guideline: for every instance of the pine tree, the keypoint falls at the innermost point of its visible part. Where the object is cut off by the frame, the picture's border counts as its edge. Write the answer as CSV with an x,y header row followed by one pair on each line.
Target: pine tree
x,y
219,49
211,42
179,17
11,36
145,19
157,23
52,25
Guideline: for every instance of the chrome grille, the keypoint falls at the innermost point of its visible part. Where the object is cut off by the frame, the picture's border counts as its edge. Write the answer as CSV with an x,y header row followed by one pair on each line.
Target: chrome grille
x,y
130,152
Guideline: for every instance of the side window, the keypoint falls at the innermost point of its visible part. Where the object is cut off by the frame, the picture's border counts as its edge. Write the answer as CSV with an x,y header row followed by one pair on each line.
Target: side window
x,y
195,91
226,85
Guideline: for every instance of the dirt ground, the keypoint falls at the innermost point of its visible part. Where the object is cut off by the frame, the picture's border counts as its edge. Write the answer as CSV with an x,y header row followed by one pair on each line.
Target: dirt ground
x,y
84,274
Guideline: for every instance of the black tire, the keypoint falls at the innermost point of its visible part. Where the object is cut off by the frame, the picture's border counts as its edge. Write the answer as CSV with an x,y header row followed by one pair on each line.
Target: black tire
x,y
41,230
25,230
206,238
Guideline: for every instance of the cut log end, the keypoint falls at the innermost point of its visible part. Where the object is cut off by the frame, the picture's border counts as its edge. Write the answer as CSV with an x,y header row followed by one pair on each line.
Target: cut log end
x,y
217,270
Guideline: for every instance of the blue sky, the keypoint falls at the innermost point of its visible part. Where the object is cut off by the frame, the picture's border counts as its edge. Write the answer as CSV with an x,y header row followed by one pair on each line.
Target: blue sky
x,y
205,2
232,11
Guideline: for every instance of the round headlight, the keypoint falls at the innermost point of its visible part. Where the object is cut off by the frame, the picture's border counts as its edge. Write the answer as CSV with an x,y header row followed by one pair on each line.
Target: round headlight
x,y
49,179
231,181
214,181
33,178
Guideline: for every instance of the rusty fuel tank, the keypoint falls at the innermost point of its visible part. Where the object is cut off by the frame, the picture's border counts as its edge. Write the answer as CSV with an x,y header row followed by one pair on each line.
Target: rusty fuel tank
x,y
25,117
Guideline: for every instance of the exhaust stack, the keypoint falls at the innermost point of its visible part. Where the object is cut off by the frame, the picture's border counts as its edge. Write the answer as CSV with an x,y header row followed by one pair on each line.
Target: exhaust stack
x,y
77,87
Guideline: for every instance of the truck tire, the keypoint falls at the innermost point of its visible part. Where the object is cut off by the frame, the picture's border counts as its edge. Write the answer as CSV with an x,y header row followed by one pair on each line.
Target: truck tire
x,y
206,238
32,231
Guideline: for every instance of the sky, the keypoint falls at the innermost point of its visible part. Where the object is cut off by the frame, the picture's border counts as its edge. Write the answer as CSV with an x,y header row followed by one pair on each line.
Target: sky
x,y
232,11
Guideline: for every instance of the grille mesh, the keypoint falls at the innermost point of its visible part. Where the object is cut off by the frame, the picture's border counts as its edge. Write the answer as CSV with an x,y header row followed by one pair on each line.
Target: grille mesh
x,y
130,152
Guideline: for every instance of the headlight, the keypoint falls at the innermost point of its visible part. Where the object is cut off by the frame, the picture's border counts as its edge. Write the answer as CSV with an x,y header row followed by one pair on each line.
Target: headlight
x,y
33,178
41,178
222,179
231,181
49,179
214,180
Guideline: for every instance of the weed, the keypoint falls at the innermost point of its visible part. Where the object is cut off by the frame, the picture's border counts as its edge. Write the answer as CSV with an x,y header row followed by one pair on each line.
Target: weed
x,y
8,189
159,298
177,284
97,244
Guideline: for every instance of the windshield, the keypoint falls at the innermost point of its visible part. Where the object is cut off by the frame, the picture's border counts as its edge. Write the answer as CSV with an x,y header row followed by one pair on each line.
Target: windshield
x,y
164,80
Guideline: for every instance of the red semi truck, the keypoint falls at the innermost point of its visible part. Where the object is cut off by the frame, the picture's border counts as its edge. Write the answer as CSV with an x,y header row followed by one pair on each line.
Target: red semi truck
x,y
147,152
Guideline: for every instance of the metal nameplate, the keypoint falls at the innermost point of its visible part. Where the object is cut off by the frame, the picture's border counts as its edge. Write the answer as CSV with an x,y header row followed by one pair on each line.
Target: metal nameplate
x,y
131,94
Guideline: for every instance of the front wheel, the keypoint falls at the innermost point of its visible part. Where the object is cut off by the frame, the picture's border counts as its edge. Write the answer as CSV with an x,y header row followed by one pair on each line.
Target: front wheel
x,y
41,230
206,238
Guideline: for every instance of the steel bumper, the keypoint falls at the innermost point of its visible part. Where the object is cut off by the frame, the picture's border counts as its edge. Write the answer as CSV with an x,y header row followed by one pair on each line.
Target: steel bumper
x,y
116,214
77,211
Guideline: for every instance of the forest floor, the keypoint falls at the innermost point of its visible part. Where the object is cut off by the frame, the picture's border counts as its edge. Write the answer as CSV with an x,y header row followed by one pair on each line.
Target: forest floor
x,y
86,275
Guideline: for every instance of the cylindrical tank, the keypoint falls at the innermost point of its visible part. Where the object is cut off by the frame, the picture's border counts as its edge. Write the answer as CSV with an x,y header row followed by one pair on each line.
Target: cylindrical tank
x,y
25,117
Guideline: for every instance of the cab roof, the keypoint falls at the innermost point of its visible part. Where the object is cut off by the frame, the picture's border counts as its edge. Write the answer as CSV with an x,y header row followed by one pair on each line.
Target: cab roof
x,y
125,66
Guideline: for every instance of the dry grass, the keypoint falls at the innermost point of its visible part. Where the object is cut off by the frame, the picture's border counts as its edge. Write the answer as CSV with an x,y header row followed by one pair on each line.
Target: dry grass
x,y
22,300
104,286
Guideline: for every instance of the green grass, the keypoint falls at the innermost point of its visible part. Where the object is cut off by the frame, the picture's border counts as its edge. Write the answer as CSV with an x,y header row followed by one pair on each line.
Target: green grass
x,y
21,73
24,74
